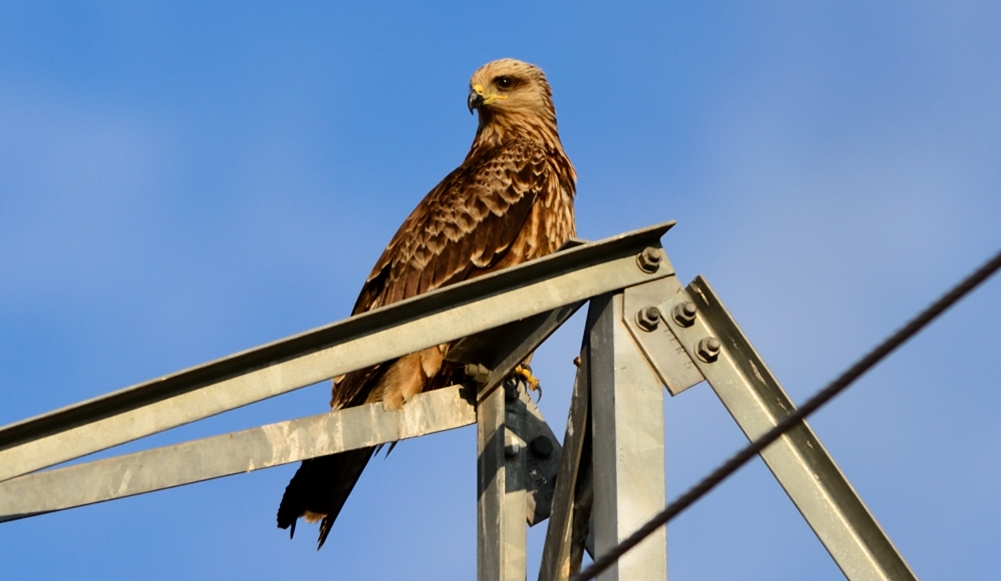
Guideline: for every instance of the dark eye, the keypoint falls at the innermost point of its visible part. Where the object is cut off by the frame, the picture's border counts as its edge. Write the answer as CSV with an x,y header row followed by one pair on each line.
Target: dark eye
x,y
504,82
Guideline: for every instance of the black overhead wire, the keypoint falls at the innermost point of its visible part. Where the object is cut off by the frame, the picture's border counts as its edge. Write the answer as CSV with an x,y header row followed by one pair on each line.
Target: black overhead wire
x,y
823,396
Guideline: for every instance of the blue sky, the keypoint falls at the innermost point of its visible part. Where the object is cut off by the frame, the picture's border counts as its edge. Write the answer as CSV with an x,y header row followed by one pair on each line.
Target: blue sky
x,y
179,181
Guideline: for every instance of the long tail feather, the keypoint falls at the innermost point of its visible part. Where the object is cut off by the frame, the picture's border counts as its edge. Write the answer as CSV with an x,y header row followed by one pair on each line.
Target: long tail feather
x,y
319,489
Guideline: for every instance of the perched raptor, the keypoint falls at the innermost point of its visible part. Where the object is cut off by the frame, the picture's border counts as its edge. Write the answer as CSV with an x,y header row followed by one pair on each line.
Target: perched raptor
x,y
510,201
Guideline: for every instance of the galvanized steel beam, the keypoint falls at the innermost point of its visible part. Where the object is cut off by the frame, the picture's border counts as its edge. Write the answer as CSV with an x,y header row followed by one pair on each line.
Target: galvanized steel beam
x,y
256,374
305,438
501,526
235,453
627,415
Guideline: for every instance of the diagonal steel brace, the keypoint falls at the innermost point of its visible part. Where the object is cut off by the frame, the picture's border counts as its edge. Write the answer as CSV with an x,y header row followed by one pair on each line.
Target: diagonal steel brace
x,y
687,334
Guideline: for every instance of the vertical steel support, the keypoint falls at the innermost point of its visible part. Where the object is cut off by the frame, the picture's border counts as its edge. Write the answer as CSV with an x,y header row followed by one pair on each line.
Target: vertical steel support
x,y
628,443
571,514
501,487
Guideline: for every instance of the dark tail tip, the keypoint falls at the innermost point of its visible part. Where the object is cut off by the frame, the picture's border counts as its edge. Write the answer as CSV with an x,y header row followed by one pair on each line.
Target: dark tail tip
x,y
325,525
320,486
293,503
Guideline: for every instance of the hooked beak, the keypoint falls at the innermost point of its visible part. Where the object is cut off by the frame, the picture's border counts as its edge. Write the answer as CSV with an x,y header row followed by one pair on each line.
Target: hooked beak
x,y
475,99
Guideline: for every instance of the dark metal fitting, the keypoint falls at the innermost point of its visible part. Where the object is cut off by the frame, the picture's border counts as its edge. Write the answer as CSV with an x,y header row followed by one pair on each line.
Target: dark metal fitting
x,y
708,349
541,446
648,318
649,259
510,388
684,313
512,450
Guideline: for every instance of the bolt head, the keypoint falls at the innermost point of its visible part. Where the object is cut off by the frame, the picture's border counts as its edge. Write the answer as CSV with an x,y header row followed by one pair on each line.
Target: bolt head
x,y
512,450
708,349
649,259
684,314
648,318
541,447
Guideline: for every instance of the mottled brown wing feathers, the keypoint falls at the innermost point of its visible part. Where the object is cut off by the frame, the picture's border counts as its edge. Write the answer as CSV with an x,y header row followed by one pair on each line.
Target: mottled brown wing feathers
x,y
462,225
461,229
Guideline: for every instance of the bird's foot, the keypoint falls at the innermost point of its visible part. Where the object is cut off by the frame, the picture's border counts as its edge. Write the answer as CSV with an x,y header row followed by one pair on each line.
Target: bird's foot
x,y
525,372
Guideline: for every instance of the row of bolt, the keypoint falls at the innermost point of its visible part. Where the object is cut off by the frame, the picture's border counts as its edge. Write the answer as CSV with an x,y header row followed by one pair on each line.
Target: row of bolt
x,y
648,318
683,314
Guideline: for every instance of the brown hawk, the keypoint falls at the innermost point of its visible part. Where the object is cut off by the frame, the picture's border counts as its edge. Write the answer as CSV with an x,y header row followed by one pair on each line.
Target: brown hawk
x,y
511,200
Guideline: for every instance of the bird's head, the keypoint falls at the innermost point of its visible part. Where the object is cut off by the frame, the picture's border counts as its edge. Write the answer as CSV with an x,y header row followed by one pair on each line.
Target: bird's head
x,y
509,87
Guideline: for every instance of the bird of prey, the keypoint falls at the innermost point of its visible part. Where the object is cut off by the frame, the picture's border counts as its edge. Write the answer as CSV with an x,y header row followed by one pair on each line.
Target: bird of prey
x,y
511,200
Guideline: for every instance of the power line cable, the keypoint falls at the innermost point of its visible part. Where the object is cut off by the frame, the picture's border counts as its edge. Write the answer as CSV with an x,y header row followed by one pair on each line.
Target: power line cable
x,y
822,397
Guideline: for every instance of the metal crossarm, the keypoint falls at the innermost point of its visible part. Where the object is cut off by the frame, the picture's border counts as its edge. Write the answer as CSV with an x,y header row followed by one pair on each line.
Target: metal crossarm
x,y
256,374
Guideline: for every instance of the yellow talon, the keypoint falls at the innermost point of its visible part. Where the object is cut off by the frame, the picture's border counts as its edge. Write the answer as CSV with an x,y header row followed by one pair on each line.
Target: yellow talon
x,y
525,372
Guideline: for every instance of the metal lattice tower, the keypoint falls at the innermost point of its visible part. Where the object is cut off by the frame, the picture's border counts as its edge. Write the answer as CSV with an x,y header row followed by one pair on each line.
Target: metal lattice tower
x,y
645,331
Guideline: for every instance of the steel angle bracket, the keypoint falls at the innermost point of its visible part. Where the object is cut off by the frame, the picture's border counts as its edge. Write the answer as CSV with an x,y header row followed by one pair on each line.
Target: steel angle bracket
x,y
721,352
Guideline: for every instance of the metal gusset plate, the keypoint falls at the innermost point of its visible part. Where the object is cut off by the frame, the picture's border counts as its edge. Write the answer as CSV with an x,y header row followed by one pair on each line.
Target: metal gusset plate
x,y
542,461
663,351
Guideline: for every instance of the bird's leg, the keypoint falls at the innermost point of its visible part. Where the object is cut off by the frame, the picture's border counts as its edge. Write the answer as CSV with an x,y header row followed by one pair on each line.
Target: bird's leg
x,y
525,372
